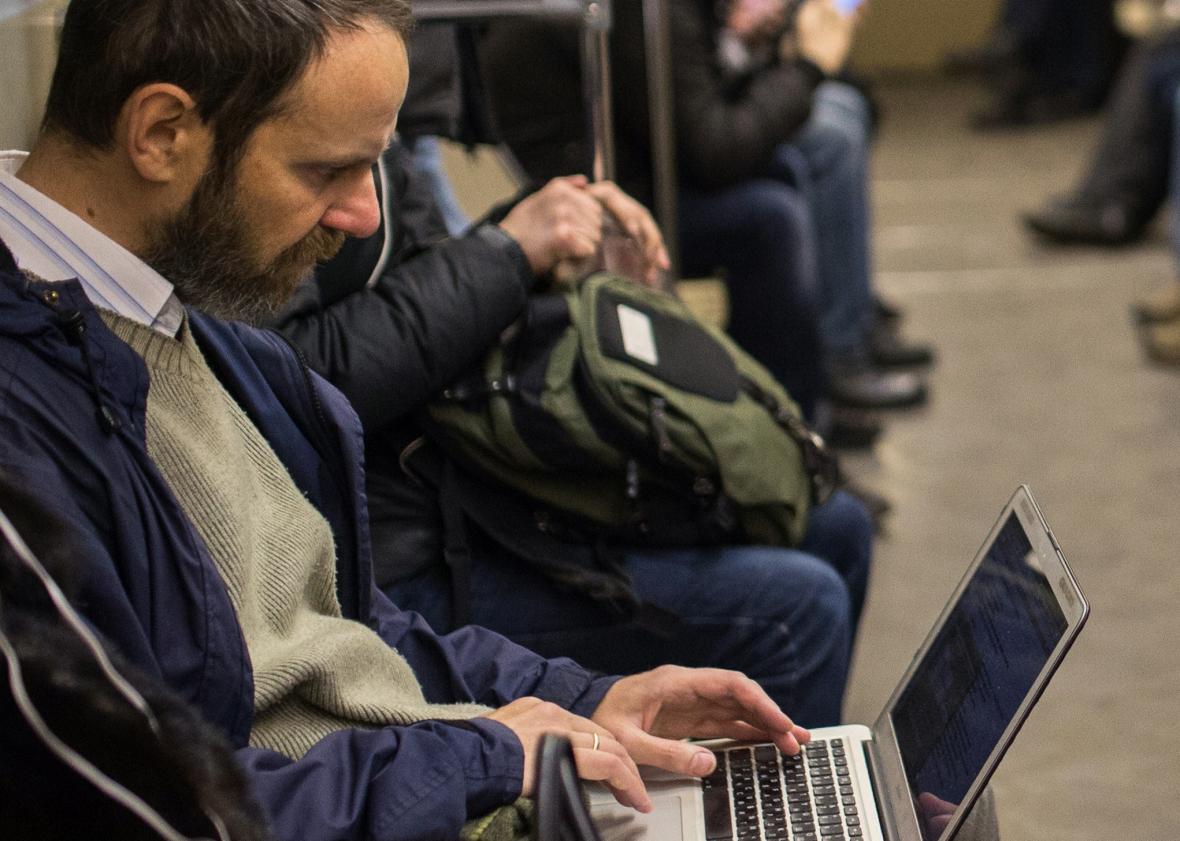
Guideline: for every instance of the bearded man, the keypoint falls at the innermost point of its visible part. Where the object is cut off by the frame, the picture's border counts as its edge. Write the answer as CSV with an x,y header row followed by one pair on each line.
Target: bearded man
x,y
197,157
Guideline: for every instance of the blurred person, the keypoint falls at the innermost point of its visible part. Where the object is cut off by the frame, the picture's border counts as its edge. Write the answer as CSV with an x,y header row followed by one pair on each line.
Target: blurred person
x,y
1125,180
1046,60
772,159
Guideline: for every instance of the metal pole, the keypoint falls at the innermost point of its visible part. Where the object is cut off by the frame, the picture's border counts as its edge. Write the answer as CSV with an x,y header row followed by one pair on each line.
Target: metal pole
x,y
596,88
662,124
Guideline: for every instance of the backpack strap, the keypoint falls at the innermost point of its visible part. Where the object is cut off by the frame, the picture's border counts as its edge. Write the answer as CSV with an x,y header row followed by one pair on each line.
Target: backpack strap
x,y
821,464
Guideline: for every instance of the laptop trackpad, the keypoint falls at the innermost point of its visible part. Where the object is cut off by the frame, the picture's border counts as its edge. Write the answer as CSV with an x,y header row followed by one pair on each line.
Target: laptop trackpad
x,y
670,820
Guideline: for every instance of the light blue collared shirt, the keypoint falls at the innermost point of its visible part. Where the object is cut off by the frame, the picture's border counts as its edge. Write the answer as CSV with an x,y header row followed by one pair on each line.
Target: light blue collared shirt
x,y
55,244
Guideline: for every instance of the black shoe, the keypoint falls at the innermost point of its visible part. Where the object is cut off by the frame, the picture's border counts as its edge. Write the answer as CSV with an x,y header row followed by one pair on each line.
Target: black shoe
x,y
888,349
864,387
994,55
852,429
1080,219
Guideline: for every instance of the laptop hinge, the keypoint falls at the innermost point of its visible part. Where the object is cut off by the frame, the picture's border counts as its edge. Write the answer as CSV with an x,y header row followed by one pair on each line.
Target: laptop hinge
x,y
887,827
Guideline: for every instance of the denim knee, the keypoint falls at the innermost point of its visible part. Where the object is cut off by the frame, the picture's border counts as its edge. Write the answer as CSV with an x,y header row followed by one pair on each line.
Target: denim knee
x,y
841,533
779,218
836,136
842,108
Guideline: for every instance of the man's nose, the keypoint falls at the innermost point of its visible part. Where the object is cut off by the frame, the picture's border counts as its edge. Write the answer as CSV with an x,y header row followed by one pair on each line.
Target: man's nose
x,y
357,212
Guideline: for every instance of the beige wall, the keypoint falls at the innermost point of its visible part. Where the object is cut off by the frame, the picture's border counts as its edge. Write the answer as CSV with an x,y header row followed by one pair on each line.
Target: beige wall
x,y
27,53
913,35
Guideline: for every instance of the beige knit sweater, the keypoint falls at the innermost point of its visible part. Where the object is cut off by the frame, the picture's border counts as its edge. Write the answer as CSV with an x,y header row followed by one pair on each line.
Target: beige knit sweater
x,y
314,671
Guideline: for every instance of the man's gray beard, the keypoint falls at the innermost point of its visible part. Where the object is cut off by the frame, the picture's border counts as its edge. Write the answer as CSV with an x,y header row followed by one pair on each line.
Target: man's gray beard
x,y
204,251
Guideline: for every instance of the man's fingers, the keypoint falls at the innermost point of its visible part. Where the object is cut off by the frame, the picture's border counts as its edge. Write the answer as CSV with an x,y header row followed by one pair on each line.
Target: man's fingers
x,y
743,698
671,754
635,219
610,763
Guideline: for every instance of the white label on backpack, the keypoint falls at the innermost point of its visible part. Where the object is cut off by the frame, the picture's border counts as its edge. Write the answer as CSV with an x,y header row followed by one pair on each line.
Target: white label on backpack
x,y
638,339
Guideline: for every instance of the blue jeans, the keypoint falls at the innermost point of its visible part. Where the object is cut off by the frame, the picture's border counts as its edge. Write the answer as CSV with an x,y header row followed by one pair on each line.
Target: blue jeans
x,y
759,233
784,617
828,162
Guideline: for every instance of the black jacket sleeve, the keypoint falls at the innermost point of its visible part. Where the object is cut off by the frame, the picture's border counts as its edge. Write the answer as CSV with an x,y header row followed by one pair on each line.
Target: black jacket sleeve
x,y
725,133
391,343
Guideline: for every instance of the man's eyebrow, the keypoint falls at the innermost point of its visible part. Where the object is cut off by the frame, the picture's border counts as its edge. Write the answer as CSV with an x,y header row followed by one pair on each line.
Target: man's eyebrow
x,y
340,162
348,161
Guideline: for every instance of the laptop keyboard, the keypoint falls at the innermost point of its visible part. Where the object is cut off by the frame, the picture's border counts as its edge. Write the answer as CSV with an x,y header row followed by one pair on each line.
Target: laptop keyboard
x,y
758,793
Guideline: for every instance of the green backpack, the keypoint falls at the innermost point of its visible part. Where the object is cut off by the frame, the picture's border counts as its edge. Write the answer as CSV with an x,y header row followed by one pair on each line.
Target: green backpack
x,y
618,414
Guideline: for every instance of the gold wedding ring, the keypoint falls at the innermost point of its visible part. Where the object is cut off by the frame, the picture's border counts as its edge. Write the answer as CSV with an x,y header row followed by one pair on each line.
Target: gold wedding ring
x,y
595,745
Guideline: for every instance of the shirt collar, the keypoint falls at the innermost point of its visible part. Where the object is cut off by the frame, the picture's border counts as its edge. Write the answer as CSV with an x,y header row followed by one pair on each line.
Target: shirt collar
x,y
56,244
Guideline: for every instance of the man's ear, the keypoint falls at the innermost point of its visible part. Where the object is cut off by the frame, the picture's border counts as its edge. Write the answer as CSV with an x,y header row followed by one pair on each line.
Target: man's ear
x,y
163,133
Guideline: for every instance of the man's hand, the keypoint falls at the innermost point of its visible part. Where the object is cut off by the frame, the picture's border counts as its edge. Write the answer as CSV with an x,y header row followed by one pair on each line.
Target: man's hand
x,y
823,35
531,718
650,712
561,221
643,256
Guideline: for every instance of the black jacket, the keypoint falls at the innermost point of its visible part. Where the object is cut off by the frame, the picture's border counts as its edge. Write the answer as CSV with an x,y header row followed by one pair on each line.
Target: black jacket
x,y
726,128
432,310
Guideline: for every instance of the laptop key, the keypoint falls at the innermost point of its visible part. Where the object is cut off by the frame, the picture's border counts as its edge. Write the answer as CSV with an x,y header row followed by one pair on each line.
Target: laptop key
x,y
716,802
830,831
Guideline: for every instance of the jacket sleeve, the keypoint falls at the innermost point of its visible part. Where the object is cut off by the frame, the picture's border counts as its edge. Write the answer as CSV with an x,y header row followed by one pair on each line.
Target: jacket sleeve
x,y
422,781
479,665
415,783
433,310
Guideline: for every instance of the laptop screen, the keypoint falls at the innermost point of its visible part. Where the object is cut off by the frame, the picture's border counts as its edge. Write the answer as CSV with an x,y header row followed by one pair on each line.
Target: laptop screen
x,y
974,677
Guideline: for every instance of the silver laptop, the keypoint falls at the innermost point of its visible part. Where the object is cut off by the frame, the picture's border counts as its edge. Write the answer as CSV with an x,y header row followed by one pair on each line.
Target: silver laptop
x,y
915,774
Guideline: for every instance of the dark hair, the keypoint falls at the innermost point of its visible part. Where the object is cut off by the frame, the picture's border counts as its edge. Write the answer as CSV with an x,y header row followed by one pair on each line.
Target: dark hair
x,y
236,58
186,771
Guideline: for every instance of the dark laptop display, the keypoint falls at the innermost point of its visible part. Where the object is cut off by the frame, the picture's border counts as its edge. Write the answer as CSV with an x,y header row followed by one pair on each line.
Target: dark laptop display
x,y
968,687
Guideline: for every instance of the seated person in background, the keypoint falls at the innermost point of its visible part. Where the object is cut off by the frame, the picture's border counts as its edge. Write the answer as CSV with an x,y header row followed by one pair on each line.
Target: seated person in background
x,y
772,157
1046,60
195,161
434,309
1125,181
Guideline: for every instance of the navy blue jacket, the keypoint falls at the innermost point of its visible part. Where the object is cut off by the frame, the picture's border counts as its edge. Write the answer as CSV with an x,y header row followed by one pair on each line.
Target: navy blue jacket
x,y
72,404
